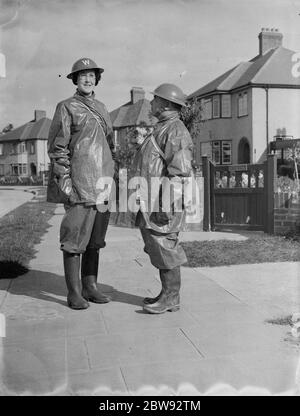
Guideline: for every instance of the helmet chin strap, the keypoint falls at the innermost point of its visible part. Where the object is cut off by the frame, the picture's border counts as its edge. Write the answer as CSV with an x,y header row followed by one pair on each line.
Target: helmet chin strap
x,y
165,106
161,110
169,107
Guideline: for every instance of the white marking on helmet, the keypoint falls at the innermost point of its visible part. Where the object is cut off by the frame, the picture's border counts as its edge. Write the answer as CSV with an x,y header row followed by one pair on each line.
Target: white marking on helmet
x,y
86,61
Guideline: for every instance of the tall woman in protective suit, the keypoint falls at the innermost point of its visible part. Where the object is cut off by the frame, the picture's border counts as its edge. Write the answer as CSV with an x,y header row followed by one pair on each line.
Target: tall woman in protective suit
x,y
165,154
79,147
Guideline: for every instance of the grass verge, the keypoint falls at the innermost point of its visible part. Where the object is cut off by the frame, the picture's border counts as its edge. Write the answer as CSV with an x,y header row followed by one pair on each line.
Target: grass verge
x,y
283,321
256,249
20,231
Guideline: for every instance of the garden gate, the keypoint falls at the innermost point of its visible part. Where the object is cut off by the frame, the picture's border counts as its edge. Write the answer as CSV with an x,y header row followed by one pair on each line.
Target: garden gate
x,y
239,196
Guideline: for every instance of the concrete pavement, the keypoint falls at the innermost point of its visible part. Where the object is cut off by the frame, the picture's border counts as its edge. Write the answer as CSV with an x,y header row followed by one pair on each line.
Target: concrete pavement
x,y
12,197
218,343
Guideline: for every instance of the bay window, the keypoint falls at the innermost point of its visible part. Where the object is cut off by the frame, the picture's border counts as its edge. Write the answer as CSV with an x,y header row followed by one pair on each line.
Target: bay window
x,y
243,104
216,106
226,105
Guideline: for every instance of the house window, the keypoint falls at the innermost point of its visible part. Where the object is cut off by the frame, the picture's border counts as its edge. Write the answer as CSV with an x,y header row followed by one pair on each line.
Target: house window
x,y
201,101
14,169
216,152
221,152
226,152
207,109
19,169
242,104
216,106
1,170
14,149
22,147
24,169
1,149
115,139
226,105
32,148
18,148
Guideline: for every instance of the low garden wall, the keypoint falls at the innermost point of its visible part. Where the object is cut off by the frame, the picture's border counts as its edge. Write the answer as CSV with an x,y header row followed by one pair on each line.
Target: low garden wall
x,y
286,212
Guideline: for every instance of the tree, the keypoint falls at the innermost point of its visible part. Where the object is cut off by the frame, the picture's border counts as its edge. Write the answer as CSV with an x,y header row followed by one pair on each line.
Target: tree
x,y
191,115
293,154
134,138
8,128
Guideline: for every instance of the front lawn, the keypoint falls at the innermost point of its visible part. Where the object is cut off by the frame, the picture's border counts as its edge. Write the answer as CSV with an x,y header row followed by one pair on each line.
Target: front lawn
x,y
256,249
20,231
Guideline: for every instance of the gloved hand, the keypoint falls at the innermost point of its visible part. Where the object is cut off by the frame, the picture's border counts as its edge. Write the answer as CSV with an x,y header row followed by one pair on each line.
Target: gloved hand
x,y
61,167
65,185
161,218
72,200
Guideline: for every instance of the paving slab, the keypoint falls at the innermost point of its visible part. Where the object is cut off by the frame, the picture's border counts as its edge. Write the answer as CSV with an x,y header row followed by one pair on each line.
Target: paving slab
x,y
104,382
223,338
42,359
134,347
123,317
63,326
219,312
265,285
188,376
29,384
274,371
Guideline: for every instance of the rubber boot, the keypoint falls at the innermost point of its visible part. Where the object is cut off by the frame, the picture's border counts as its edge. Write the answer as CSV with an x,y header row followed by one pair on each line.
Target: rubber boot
x,y
169,299
89,272
148,301
71,267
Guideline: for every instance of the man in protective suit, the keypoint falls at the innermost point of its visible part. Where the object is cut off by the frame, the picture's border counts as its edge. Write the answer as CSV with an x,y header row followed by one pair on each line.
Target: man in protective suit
x,y
79,147
167,155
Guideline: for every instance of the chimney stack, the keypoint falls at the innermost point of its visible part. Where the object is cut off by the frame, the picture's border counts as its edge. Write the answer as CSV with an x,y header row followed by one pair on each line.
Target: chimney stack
x,y
137,93
269,39
38,114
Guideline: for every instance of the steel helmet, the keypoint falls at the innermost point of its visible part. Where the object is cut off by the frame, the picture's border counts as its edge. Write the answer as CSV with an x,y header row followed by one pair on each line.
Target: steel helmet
x,y
171,93
83,64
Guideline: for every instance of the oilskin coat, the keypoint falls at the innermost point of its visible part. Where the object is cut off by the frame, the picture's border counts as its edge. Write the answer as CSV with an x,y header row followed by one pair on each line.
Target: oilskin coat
x,y
175,142
79,147
160,229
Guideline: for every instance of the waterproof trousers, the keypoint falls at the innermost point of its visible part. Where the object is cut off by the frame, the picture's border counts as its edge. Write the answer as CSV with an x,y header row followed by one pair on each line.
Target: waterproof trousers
x,y
164,250
83,228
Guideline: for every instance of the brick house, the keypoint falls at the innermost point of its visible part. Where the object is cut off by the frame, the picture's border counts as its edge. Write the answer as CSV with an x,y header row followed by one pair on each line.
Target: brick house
x,y
23,150
132,114
251,105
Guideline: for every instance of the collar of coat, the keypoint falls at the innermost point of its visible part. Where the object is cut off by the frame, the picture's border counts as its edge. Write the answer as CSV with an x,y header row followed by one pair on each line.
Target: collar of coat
x,y
83,97
168,115
89,102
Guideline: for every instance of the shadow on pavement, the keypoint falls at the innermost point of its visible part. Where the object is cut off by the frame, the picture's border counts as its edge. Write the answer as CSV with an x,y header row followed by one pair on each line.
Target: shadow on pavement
x,y
51,287
11,269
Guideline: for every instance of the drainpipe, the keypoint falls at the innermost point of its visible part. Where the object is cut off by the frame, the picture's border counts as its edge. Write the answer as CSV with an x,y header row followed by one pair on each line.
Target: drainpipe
x,y
267,117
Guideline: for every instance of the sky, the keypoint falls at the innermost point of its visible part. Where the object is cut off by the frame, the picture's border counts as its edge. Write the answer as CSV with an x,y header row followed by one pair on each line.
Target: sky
x,y
138,43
